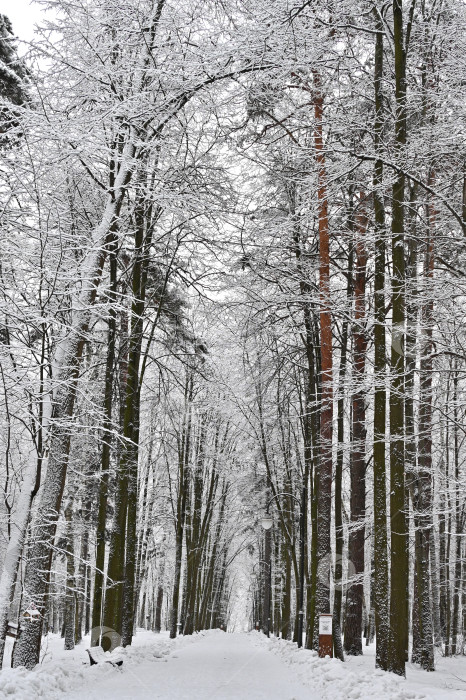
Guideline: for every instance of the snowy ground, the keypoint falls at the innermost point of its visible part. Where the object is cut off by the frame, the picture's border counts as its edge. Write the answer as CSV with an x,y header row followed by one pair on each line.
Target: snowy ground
x,y
218,666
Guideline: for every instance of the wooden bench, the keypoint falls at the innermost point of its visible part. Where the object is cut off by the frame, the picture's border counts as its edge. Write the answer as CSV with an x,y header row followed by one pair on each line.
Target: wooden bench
x,y
12,630
97,656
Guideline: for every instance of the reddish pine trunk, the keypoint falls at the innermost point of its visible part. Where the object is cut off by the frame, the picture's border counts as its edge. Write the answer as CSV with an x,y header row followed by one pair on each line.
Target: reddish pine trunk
x,y
324,480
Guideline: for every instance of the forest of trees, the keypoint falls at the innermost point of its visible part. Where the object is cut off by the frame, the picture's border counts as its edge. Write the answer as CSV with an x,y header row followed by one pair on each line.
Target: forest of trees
x,y
233,279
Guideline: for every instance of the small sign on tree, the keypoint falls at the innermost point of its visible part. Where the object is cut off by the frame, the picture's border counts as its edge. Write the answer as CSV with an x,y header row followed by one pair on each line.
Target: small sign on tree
x,y
325,636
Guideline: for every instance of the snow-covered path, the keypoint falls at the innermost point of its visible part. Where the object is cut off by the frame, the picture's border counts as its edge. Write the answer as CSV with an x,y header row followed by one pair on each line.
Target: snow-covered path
x,y
217,666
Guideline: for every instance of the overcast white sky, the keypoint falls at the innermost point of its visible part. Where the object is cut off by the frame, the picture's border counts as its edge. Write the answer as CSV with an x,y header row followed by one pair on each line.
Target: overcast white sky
x,y
23,15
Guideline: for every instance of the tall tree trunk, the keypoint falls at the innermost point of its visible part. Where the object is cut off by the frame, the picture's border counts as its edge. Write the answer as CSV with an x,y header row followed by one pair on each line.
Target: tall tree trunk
x,y
184,451
311,636
111,636
411,441
324,471
354,603
70,595
463,605
399,540
143,556
276,586
442,537
106,446
381,590
83,569
194,546
458,521
423,501
445,526
310,431
339,535
267,621
286,602
160,593
310,435
436,598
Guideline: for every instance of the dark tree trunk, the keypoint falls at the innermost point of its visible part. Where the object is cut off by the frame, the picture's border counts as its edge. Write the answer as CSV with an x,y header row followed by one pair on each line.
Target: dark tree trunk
x,y
70,595
182,496
458,523
381,591
355,597
266,623
158,609
82,575
286,602
106,447
339,535
398,649
422,501
194,546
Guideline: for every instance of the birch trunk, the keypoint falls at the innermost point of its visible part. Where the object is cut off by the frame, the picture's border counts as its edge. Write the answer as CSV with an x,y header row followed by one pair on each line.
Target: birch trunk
x,y
15,548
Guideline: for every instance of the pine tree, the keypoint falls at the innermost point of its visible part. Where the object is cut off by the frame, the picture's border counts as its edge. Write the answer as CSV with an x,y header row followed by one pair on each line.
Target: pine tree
x,y
13,78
